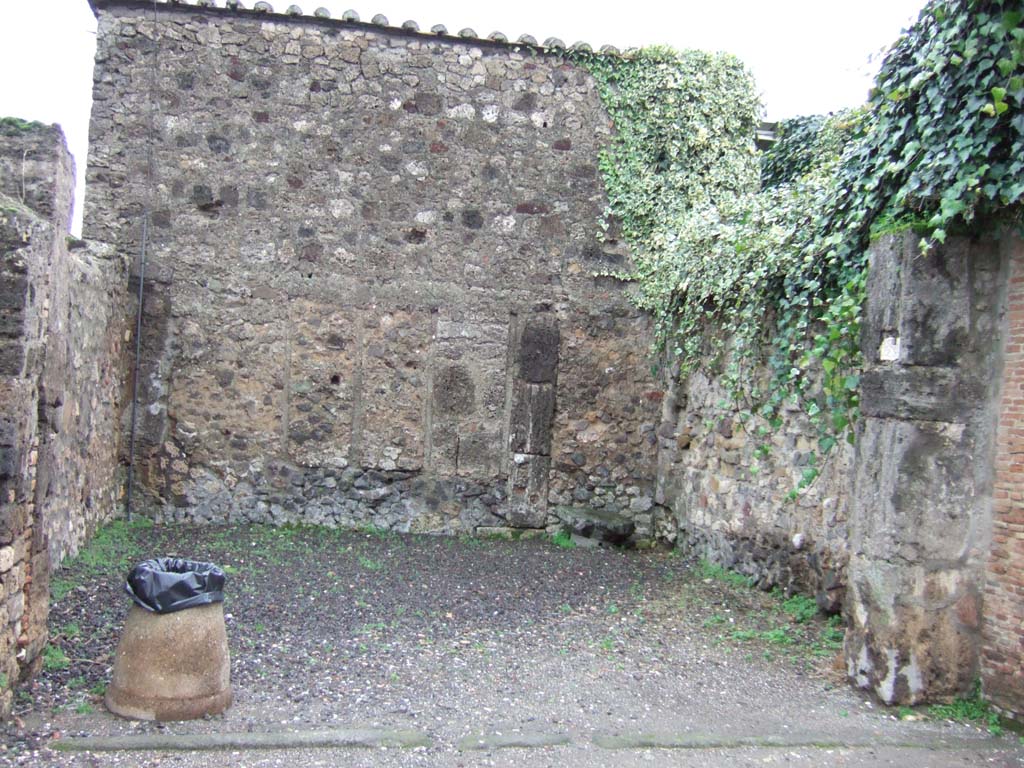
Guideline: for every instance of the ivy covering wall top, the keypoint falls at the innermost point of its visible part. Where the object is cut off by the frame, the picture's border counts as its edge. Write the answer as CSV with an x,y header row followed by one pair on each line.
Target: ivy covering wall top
x,y
736,254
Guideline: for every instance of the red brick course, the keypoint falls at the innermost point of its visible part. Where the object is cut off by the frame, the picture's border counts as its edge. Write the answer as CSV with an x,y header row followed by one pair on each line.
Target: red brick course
x,y
1002,660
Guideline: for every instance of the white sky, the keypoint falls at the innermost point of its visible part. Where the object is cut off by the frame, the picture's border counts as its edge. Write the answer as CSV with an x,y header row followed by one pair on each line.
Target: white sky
x,y
807,56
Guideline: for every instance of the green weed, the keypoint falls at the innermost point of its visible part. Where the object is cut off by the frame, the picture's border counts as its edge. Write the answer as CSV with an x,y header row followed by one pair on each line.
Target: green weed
x,y
778,636
59,588
564,540
744,635
714,620
84,708
708,570
801,608
969,709
54,658
370,564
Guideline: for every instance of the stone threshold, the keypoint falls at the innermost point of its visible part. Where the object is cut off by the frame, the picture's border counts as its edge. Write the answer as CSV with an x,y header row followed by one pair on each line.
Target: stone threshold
x,y
334,738
407,739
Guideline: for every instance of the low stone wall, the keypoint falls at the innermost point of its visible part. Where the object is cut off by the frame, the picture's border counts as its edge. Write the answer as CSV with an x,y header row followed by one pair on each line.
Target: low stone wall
x,y
62,320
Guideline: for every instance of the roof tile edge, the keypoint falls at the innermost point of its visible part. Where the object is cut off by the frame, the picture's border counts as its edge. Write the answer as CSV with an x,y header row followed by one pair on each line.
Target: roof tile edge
x,y
294,13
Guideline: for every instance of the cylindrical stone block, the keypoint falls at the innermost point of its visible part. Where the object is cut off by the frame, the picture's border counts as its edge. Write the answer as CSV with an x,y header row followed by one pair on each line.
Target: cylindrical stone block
x,y
171,666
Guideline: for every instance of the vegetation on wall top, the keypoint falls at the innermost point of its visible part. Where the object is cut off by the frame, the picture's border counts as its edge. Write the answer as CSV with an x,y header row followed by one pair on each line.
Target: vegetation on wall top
x,y
730,268
14,126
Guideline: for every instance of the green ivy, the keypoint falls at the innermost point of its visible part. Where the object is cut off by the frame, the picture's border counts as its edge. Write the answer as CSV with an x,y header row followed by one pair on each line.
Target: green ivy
x,y
745,261
13,126
801,144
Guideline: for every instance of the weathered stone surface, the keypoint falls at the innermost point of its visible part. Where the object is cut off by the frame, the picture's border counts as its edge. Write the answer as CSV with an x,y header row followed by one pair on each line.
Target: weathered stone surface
x,y
532,409
921,393
62,318
528,491
368,245
730,504
920,509
172,666
599,524
334,738
538,353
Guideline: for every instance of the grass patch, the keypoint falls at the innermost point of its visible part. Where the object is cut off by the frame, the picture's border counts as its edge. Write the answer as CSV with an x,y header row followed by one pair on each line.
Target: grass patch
x,y
970,709
59,588
370,564
564,540
801,608
54,658
776,636
114,546
708,570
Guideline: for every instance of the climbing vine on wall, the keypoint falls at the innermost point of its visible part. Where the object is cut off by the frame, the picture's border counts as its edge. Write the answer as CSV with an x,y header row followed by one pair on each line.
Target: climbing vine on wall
x,y
728,270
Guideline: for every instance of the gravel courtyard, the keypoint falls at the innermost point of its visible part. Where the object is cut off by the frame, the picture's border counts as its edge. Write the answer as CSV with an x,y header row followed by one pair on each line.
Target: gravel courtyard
x,y
346,646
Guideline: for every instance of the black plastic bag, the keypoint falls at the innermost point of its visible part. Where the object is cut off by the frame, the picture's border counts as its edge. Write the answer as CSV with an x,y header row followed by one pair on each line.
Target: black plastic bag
x,y
169,584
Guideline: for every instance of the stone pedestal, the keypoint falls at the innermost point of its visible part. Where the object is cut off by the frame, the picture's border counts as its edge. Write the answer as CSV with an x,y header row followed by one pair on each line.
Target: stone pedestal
x,y
172,666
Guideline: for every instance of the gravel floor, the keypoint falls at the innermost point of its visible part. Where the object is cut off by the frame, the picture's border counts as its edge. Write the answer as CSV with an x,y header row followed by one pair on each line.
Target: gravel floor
x,y
461,637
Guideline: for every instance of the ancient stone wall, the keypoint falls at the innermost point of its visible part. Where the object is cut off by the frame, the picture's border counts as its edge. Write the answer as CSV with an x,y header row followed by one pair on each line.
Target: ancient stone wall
x,y
60,373
370,296
921,494
370,299
899,530
730,492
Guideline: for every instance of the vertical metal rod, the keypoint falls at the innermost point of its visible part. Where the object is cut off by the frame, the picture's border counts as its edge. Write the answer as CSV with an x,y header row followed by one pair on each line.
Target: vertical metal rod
x,y
138,360
142,276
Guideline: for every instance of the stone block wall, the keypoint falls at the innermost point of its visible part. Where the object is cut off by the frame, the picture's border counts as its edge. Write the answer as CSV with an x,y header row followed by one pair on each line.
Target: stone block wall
x,y
921,494
61,326
732,505
1003,619
370,296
